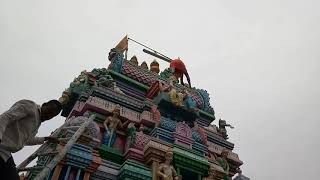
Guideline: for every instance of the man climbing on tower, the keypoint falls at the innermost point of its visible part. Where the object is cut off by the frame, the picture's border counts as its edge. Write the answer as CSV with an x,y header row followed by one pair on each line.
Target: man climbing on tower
x,y
18,128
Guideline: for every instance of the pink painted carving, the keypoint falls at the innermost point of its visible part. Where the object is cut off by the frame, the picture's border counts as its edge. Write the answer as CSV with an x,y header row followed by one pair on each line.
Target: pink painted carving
x,y
183,135
146,118
141,140
184,130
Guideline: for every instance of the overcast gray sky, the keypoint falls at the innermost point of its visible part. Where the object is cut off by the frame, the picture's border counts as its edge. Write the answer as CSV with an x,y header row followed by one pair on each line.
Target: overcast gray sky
x,y
259,60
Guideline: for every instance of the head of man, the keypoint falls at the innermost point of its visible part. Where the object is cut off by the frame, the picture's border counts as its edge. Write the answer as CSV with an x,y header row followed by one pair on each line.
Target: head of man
x,y
50,109
116,111
169,156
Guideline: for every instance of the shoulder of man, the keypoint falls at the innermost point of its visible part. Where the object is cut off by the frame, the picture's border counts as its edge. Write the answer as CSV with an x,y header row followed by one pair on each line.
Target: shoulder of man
x,y
26,102
28,105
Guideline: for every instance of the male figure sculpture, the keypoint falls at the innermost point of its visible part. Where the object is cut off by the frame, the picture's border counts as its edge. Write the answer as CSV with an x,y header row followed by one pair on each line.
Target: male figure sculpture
x,y
111,124
166,170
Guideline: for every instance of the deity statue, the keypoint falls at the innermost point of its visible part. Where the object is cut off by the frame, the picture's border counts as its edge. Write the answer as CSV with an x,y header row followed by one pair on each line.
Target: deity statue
x,y
176,97
190,103
111,124
223,162
222,128
165,170
156,114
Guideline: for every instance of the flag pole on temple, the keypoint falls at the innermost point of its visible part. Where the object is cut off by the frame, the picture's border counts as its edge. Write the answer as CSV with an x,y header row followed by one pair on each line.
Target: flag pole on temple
x,y
122,46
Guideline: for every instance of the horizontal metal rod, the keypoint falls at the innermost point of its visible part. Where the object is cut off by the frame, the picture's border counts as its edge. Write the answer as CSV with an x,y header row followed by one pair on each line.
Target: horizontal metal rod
x,y
30,168
47,153
156,52
157,55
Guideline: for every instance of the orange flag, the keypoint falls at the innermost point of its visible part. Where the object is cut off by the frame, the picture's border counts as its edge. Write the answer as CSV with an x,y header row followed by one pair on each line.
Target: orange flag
x,y
123,44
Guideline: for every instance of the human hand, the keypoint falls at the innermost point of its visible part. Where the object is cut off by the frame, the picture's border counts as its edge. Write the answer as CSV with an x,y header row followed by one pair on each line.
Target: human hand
x,y
52,139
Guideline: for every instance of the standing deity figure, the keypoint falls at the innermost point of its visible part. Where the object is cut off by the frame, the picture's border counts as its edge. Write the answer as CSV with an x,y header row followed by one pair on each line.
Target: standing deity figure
x,y
222,128
156,114
111,124
165,170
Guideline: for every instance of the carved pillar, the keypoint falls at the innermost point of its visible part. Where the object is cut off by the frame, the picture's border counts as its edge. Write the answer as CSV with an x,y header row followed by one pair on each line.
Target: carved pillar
x,y
86,176
155,165
154,152
57,172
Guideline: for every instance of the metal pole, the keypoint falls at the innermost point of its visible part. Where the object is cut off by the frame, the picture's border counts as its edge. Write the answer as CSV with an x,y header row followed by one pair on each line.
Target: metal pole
x,y
150,48
45,172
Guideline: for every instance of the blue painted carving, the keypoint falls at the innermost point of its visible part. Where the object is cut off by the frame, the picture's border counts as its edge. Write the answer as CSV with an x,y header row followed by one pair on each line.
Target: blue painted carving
x,y
79,156
200,148
196,136
190,103
109,137
168,124
162,134
116,62
206,101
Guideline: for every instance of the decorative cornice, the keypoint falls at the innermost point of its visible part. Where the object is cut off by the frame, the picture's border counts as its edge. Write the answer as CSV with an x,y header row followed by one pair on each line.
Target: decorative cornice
x,y
134,170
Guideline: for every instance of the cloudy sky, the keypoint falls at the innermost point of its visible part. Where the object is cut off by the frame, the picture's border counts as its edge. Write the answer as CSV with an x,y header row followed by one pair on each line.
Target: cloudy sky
x,y
259,60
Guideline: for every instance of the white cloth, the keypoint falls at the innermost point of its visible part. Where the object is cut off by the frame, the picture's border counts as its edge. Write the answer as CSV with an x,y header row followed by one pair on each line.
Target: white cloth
x,y
18,127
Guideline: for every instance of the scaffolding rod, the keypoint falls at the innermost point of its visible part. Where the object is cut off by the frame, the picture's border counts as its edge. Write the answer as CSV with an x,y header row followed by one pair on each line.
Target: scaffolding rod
x,y
49,167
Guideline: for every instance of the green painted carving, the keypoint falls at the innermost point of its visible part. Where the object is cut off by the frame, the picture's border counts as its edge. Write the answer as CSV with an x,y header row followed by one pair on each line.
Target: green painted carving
x,y
129,80
134,170
111,154
190,161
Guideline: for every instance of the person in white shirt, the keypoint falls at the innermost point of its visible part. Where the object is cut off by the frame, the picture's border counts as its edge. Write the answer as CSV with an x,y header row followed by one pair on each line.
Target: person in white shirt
x,y
18,128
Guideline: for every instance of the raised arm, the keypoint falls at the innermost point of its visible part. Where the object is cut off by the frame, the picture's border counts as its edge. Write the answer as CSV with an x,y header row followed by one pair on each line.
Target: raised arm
x,y
174,173
35,141
159,172
123,124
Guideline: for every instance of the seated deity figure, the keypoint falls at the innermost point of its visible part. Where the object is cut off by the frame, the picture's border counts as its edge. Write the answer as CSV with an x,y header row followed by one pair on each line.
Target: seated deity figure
x,y
176,97
111,124
165,170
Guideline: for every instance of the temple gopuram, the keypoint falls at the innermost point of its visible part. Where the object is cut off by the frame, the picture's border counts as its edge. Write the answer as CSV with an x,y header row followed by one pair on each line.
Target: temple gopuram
x,y
147,124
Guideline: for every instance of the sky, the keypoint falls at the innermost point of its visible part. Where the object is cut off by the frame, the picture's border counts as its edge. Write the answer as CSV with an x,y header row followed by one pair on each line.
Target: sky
x,y
258,59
